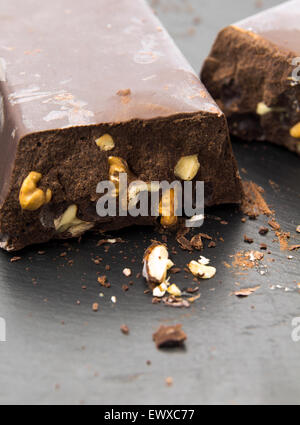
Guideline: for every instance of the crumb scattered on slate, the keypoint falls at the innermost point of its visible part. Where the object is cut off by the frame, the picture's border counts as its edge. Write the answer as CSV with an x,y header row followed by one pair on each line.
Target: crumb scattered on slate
x,y
169,336
14,259
124,329
247,239
95,307
169,381
263,231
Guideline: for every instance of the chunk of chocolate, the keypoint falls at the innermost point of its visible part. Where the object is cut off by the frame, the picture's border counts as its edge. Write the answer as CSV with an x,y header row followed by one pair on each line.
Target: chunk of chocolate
x,y
89,89
253,73
169,336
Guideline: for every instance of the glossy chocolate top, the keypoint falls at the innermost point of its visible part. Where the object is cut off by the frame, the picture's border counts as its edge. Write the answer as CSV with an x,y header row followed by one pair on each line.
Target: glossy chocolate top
x,y
73,62
280,25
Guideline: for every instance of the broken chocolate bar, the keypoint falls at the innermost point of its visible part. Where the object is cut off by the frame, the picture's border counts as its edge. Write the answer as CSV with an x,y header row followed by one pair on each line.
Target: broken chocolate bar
x,y
253,74
89,90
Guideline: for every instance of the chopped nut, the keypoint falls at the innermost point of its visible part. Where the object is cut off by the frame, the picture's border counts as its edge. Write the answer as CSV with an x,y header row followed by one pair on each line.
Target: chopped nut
x,y
105,142
127,272
201,270
116,166
167,208
160,290
187,167
204,260
263,109
68,222
298,229
295,131
174,290
32,198
113,299
156,263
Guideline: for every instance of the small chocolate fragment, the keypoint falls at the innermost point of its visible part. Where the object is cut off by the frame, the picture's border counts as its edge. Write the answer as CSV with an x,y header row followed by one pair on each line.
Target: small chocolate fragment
x,y
169,336
247,239
124,329
252,73
263,231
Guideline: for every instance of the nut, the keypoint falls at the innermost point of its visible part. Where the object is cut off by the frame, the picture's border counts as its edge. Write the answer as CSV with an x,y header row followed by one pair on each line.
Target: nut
x,y
31,198
117,165
263,109
167,208
160,290
295,131
201,270
156,263
187,167
69,222
174,290
127,272
105,142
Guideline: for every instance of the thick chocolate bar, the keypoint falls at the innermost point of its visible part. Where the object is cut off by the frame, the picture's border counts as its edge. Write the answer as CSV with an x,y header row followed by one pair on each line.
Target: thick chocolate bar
x,y
89,89
252,72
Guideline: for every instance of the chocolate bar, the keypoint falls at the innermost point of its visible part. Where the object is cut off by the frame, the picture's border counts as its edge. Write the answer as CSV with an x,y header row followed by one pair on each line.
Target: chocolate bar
x,y
253,74
88,90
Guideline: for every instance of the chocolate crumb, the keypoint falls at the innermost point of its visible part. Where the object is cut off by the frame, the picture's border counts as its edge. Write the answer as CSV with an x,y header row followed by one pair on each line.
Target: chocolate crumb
x,y
175,270
247,239
95,307
169,336
14,259
212,244
124,329
263,231
192,290
125,288
169,381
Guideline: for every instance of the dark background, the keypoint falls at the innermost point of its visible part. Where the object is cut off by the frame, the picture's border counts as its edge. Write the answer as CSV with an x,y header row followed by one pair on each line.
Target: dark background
x,y
238,350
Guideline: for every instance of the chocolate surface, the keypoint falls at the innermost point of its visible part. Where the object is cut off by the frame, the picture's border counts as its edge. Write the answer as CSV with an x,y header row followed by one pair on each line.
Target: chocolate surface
x,y
251,74
280,25
72,72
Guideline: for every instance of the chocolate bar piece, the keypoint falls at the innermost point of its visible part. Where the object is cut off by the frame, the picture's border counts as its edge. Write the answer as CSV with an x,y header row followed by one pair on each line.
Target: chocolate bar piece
x,y
253,74
90,89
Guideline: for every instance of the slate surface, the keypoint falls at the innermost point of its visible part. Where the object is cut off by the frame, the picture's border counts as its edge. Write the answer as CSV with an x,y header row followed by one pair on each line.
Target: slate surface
x,y
238,350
